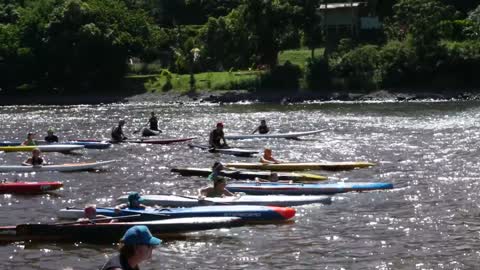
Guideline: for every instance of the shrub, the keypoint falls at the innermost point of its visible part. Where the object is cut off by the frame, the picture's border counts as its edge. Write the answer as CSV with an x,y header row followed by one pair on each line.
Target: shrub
x,y
282,77
317,74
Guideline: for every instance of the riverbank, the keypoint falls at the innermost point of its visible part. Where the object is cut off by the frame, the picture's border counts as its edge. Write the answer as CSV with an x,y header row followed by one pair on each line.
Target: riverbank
x,y
234,96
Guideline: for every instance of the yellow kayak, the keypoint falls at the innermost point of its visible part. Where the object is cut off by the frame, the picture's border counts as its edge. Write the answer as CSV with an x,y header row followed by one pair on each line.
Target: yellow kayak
x,y
327,166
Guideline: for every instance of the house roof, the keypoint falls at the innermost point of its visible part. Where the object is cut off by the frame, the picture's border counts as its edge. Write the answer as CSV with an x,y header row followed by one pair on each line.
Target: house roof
x,y
342,5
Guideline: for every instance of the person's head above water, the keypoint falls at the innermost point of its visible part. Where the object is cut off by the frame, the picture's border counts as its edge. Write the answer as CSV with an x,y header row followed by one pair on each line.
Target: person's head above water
x,y
219,125
50,131
152,114
263,122
36,152
121,122
267,152
30,135
217,166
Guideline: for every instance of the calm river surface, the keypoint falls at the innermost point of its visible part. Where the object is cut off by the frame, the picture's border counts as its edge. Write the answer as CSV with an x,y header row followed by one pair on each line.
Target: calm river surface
x,y
429,151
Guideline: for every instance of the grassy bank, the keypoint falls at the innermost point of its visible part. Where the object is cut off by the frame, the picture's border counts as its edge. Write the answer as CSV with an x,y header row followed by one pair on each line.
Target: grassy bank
x,y
298,56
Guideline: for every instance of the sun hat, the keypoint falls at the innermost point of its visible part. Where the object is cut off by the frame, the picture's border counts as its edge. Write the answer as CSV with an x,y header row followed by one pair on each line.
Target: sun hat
x,y
140,235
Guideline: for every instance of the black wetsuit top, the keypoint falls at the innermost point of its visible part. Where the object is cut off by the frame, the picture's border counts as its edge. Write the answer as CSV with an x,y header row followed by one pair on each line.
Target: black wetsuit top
x,y
37,161
153,123
216,137
118,262
263,129
51,139
117,134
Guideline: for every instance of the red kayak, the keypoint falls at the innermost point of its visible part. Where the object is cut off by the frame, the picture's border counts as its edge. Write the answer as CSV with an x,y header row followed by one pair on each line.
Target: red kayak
x,y
29,187
148,141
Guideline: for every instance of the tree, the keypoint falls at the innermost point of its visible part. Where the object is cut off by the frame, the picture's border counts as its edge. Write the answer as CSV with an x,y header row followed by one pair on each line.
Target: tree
x,y
312,30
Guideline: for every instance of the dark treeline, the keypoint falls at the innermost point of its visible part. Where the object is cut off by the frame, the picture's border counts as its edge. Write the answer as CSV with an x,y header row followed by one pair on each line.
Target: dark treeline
x,y
72,45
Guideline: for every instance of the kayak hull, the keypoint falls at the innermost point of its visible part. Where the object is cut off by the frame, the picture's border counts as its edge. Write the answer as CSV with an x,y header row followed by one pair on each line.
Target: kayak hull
x,y
249,213
87,145
306,189
227,151
146,141
85,166
43,148
29,187
185,201
250,175
112,232
291,135
326,166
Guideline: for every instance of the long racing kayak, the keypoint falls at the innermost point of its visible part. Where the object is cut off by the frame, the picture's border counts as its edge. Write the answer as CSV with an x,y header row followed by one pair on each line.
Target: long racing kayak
x,y
240,152
111,232
43,148
305,189
187,201
142,140
87,145
292,135
71,167
249,213
29,187
326,166
250,175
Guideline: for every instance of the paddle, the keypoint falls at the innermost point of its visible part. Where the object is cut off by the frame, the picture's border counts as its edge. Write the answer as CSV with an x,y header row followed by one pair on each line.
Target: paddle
x,y
94,219
198,199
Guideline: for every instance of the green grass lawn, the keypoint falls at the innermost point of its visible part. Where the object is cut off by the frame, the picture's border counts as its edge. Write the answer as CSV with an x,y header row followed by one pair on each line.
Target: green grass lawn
x,y
218,80
298,56
204,81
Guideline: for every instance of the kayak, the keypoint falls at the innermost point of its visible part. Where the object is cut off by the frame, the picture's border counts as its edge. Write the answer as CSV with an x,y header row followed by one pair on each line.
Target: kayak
x,y
70,167
161,141
105,232
43,148
249,213
187,201
292,135
227,151
305,189
141,140
88,145
327,166
29,187
246,175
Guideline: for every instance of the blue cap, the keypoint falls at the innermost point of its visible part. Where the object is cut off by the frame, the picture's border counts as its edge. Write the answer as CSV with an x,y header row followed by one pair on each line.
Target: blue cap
x,y
140,235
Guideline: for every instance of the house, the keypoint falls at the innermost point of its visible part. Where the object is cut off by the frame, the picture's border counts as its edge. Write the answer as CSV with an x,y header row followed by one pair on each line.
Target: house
x,y
349,19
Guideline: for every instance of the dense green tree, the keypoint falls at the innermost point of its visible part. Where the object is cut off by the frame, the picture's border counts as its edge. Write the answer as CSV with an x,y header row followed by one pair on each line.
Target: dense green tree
x,y
312,31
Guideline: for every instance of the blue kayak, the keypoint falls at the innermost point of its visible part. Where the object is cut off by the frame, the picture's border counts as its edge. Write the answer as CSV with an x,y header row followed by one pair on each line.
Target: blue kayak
x,y
248,213
88,145
270,188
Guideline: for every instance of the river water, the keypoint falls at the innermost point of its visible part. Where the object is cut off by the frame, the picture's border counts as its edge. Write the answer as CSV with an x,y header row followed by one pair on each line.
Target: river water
x,y
428,150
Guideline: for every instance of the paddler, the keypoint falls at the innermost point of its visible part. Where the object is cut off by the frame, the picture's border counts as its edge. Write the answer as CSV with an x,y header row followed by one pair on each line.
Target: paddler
x,y
268,158
117,132
30,140
51,138
218,190
217,136
134,202
35,159
153,122
216,170
90,214
136,247
262,129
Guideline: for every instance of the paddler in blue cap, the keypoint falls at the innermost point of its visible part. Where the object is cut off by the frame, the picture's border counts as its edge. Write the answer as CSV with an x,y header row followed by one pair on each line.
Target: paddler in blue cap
x,y
134,202
136,246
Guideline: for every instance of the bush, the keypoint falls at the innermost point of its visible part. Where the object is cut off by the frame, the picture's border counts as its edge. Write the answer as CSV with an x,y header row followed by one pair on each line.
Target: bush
x,y
397,64
317,74
457,30
359,68
282,77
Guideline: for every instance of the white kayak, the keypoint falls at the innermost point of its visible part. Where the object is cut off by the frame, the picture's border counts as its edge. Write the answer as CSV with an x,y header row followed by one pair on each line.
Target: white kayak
x,y
240,152
43,148
291,135
190,201
71,167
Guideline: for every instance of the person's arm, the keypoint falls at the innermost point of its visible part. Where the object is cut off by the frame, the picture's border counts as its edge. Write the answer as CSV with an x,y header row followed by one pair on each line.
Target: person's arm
x,y
27,162
202,192
224,141
266,161
227,193
210,139
255,130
